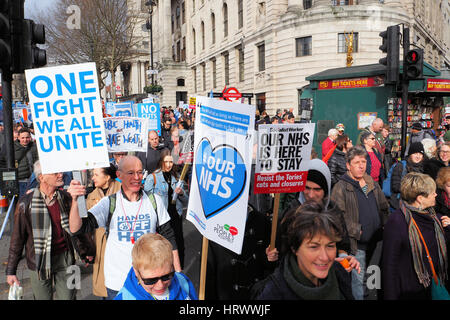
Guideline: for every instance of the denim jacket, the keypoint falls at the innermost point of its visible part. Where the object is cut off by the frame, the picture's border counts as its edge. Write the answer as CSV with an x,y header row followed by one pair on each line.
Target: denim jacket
x,y
161,188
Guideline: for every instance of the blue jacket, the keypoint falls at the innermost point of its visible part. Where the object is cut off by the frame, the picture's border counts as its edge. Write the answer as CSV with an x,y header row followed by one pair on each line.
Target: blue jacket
x,y
181,288
161,188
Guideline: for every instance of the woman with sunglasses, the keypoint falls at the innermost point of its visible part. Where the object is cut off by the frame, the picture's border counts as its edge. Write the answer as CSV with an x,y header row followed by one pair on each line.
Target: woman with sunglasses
x,y
374,158
151,276
163,181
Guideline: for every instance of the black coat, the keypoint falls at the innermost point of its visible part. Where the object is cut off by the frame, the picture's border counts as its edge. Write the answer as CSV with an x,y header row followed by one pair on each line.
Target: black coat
x,y
432,166
396,179
230,275
337,165
440,206
151,160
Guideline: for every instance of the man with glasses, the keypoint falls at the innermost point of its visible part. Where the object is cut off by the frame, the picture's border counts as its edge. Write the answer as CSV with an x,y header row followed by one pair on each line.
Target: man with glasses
x,y
134,215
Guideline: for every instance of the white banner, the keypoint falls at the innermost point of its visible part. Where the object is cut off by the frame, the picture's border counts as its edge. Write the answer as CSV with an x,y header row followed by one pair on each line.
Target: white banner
x,y
67,115
125,134
223,145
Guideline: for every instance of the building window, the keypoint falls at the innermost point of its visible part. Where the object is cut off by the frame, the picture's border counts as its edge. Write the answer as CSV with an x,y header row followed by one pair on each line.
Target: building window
x,y
213,27
177,12
180,82
342,2
303,46
183,13
261,101
307,4
225,20
226,66
183,50
241,63
172,23
214,73
193,6
203,76
178,51
261,57
240,14
203,35
342,42
194,42
194,71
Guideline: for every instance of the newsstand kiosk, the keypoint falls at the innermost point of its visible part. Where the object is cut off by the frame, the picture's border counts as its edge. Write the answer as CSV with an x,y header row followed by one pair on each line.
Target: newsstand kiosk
x,y
357,95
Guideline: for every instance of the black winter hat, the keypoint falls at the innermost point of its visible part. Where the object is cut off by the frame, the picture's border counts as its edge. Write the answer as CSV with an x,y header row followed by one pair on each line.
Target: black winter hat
x,y
416,126
416,147
317,177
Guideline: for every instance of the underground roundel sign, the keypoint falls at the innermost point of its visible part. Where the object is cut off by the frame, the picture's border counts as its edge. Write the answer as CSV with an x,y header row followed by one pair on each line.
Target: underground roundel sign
x,y
231,94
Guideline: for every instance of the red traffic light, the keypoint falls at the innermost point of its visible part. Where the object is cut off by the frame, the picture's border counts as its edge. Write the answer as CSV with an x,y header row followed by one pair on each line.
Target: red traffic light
x,y
413,56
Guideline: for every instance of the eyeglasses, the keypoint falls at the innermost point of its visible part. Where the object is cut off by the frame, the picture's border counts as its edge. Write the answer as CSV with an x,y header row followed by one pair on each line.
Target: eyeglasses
x,y
133,173
444,152
152,281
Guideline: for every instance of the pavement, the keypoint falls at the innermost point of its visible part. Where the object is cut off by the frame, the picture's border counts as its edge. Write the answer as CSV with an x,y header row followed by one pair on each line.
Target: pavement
x,y
192,237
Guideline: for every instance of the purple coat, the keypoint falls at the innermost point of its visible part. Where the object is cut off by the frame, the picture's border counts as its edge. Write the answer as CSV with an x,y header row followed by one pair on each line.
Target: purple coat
x,y
399,280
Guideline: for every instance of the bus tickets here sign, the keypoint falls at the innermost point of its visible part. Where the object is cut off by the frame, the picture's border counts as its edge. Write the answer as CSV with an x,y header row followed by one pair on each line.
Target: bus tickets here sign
x,y
283,154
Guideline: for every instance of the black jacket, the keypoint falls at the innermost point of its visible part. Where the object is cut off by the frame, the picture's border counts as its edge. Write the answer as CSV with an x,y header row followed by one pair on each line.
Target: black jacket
x,y
276,287
166,138
151,161
337,165
440,206
396,179
432,166
229,276
25,157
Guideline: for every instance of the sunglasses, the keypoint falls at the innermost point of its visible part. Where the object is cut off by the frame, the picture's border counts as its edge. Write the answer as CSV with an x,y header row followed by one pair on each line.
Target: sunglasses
x,y
152,281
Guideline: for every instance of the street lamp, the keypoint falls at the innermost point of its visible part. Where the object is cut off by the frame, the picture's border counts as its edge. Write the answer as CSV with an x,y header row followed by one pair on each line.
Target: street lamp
x,y
149,25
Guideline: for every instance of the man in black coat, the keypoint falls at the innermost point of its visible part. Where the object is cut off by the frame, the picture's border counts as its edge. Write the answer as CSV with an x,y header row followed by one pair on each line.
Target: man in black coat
x,y
166,135
150,160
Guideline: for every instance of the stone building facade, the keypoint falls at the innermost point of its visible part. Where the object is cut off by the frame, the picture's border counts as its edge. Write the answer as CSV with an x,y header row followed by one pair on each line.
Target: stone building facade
x,y
269,47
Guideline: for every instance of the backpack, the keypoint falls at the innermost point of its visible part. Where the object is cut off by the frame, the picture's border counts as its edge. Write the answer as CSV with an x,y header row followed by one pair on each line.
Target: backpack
x,y
387,182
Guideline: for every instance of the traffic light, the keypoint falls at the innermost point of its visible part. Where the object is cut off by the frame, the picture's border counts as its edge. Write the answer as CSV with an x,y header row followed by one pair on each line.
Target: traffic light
x,y
31,55
391,47
414,64
5,35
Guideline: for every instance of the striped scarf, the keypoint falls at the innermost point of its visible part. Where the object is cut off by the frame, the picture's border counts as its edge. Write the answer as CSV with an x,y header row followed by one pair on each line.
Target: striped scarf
x,y
42,231
418,250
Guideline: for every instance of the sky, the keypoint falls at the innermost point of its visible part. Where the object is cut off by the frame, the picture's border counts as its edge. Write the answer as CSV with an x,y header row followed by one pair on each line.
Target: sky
x,y
32,5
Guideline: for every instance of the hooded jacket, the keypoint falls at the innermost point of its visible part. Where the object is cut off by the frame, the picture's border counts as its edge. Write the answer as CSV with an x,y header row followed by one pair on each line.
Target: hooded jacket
x,y
181,288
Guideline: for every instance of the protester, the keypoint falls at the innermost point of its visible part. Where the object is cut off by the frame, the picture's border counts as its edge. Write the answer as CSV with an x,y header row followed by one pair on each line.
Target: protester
x,y
152,276
418,133
340,128
374,161
387,148
166,135
430,148
365,210
414,163
163,182
375,128
41,226
411,234
117,156
317,189
25,154
443,192
230,276
433,165
329,142
337,163
309,270
150,159
105,184
132,204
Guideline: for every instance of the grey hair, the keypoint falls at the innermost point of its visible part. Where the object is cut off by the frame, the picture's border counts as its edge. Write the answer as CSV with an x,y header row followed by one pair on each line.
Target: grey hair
x,y
37,170
333,132
355,152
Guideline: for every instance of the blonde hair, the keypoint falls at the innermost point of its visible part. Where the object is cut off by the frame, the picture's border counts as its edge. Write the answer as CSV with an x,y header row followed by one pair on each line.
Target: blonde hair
x,y
416,184
151,251
443,177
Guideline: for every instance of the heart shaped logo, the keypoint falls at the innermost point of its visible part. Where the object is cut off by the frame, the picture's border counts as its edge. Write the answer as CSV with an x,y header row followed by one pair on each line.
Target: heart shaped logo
x,y
221,176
